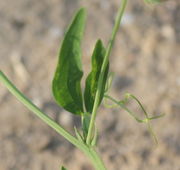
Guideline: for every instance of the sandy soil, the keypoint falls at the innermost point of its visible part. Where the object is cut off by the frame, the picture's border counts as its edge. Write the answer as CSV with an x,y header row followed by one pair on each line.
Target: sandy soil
x,y
146,62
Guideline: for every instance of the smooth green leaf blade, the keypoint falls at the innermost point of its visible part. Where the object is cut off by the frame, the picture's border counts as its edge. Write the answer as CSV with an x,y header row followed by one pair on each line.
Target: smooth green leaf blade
x,y
66,83
93,77
62,168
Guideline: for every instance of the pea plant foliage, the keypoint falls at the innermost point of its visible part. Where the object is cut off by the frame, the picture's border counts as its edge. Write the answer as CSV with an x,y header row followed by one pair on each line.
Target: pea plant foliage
x,y
67,91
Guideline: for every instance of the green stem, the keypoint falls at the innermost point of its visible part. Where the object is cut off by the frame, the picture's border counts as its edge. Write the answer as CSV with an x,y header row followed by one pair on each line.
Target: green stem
x,y
37,111
90,152
96,160
104,65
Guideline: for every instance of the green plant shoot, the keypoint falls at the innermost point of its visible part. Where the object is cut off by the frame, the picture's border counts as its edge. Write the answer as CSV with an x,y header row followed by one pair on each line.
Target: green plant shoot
x,y
66,87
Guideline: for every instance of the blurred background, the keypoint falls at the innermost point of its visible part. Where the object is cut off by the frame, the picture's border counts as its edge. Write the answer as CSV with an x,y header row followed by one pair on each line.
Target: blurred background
x,y
145,60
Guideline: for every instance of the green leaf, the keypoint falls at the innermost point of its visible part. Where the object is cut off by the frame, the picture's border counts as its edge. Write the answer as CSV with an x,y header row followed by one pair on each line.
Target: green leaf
x,y
66,83
93,77
62,168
